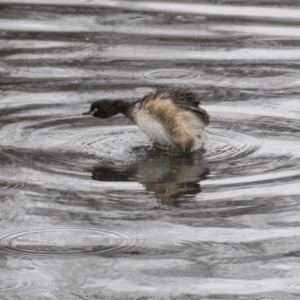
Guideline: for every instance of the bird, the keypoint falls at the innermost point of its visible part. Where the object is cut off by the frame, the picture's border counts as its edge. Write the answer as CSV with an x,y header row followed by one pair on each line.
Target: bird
x,y
170,116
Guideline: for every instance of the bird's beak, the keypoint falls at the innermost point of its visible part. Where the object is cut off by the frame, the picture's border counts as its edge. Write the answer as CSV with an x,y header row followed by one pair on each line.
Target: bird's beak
x,y
89,112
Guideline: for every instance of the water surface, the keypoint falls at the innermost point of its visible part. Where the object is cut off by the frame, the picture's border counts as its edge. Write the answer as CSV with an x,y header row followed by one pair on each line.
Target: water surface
x,y
90,209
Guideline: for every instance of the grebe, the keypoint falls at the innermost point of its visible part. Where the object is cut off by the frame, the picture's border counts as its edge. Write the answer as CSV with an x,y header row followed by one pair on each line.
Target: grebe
x,y
169,116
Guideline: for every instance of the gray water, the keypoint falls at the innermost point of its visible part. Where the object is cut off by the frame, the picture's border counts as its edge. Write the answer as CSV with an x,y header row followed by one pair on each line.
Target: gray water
x,y
90,209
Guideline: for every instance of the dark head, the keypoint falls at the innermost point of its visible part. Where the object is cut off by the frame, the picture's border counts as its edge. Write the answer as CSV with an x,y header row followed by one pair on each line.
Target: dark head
x,y
105,108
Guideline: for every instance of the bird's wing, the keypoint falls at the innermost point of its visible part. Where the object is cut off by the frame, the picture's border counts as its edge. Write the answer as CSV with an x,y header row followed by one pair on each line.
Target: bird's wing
x,y
180,95
184,98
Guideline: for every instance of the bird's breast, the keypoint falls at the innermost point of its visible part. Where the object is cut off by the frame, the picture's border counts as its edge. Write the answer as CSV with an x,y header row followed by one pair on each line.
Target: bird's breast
x,y
152,128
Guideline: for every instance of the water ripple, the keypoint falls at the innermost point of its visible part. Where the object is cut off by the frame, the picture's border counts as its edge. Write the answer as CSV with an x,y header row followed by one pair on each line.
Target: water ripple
x,y
255,179
181,8
167,75
13,284
224,145
3,137
7,185
158,53
60,241
221,252
223,221
292,287
112,141
60,135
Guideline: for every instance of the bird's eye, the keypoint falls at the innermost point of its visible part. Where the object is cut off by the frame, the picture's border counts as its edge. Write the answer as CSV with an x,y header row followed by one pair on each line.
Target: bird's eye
x,y
94,111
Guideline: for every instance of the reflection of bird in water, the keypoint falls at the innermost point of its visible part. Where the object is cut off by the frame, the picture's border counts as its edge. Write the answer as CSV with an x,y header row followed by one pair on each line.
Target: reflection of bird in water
x,y
170,116
179,177
168,176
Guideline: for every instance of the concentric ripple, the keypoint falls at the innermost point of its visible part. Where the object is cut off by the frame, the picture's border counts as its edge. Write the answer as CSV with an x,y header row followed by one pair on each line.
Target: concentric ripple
x,y
144,90
111,142
223,252
166,75
6,185
10,284
66,241
61,135
41,132
228,145
3,137
292,287
118,140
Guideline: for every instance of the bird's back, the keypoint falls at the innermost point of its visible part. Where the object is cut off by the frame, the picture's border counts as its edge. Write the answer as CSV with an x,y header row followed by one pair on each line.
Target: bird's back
x,y
185,99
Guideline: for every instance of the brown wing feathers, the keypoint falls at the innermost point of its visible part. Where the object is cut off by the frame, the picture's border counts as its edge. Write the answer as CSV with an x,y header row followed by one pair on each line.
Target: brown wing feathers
x,y
184,98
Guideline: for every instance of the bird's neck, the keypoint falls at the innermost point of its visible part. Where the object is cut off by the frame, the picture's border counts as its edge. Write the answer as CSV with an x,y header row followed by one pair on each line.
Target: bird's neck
x,y
123,107
116,107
